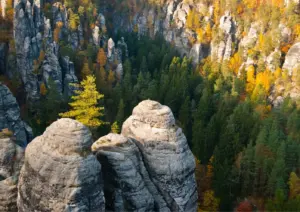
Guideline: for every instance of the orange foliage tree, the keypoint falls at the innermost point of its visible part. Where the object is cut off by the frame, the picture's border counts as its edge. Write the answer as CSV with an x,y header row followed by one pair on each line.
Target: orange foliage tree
x,y
101,57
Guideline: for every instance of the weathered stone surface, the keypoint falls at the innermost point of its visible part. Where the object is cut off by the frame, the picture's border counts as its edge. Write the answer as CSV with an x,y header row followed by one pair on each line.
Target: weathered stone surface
x,y
27,25
11,161
10,117
166,155
292,59
124,174
70,77
60,173
51,67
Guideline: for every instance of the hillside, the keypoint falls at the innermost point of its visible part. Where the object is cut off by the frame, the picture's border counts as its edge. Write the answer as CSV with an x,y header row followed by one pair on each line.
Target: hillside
x,y
228,70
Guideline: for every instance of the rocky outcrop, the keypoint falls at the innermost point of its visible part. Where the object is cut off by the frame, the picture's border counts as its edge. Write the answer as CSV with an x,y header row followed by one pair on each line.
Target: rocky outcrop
x,y
292,59
222,49
10,117
51,67
169,161
11,161
28,38
69,76
151,158
60,173
124,174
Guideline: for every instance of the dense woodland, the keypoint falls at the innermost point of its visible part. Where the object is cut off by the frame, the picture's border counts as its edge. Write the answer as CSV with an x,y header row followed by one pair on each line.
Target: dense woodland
x,y
247,151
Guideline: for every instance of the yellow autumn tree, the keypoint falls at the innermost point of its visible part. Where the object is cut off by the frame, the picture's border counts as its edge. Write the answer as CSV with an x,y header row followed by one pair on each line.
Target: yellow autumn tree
x,y
251,4
85,107
235,63
210,202
250,79
294,184
43,89
264,79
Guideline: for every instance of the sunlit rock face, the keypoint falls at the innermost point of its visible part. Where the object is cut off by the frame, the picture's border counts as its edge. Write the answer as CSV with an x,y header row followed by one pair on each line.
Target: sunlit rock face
x,y
60,173
11,161
292,59
149,166
169,161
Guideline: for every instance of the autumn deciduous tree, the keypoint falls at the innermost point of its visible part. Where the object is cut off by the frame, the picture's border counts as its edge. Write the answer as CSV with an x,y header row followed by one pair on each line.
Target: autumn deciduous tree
x,y
294,183
86,71
43,89
244,206
85,107
235,63
101,57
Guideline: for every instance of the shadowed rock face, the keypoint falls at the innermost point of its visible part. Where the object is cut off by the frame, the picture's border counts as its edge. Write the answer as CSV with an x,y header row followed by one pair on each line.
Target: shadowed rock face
x,y
124,174
60,173
150,158
11,161
10,117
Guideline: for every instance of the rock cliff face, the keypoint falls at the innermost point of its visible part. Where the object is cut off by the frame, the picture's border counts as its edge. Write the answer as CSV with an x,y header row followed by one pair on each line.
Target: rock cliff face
x,y
11,161
149,167
60,173
292,60
28,38
10,117
151,158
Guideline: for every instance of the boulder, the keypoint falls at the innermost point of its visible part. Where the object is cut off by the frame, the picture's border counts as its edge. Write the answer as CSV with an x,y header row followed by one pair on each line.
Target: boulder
x,y
60,173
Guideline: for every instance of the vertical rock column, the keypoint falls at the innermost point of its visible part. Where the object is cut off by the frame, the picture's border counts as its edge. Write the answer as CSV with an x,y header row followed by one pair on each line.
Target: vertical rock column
x,y
166,155
60,173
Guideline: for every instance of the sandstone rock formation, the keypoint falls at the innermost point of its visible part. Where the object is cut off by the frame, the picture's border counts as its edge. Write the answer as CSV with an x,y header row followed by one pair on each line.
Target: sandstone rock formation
x,y
292,59
28,40
124,174
10,117
60,173
11,161
151,158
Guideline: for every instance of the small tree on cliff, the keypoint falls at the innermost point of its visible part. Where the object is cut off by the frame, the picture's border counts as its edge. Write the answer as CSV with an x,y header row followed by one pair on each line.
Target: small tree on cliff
x,y
85,107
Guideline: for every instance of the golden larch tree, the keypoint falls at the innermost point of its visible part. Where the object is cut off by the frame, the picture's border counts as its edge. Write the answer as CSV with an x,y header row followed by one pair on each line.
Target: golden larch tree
x,y
85,107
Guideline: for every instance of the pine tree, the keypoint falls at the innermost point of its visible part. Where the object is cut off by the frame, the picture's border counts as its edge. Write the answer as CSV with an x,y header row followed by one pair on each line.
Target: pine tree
x,y
184,113
120,114
85,107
